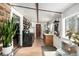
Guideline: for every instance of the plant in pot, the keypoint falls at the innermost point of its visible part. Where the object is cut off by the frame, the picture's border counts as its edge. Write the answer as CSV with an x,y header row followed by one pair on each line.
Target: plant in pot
x,y
75,36
69,34
8,31
47,31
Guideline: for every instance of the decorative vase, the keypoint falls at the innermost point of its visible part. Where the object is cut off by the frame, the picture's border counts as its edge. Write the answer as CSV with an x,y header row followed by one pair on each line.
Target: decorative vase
x,y
6,51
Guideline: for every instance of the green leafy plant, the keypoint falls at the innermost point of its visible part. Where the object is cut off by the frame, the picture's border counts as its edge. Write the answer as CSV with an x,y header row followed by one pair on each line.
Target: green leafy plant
x,y
7,32
74,36
47,30
69,34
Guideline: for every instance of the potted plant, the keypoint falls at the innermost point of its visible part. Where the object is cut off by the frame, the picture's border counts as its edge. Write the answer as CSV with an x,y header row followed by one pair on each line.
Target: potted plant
x,y
47,30
69,34
8,31
75,39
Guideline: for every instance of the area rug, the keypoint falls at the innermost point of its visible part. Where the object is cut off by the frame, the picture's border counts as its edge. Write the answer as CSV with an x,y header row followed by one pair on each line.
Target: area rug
x,y
48,48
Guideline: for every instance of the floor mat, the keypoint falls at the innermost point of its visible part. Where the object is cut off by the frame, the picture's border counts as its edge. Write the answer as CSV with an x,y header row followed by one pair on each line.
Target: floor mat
x,y
50,53
48,48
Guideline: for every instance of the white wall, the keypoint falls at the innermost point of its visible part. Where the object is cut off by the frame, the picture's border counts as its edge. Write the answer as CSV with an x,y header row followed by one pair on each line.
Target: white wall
x,y
56,40
72,10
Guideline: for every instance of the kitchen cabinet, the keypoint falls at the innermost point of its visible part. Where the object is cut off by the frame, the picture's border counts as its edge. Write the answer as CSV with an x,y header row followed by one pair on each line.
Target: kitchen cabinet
x,y
48,39
27,39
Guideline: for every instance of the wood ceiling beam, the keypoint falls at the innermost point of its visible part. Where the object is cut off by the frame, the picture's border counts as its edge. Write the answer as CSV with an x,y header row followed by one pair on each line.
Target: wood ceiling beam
x,y
38,9
37,12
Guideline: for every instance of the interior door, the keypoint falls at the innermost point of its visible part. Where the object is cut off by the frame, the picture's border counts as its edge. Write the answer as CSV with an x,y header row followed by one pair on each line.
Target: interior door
x,y
38,30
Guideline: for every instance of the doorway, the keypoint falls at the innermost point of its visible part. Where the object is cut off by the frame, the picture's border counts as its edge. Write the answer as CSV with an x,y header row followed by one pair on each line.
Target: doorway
x,y
16,39
38,31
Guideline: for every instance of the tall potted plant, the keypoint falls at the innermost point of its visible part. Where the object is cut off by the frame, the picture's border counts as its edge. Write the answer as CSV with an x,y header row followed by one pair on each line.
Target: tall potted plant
x,y
8,31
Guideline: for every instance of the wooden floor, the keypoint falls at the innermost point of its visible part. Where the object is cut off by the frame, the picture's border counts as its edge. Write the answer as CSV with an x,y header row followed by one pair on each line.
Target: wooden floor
x,y
35,50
